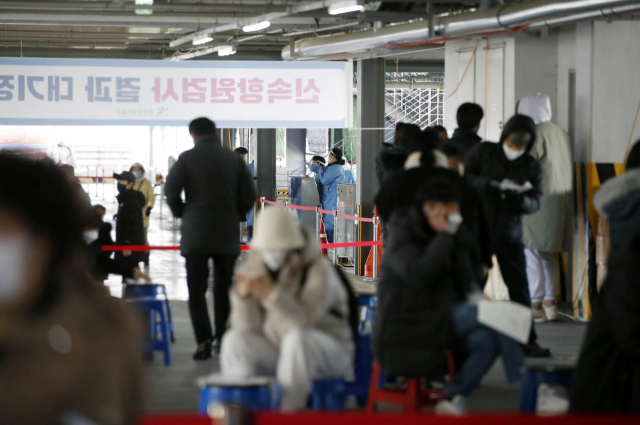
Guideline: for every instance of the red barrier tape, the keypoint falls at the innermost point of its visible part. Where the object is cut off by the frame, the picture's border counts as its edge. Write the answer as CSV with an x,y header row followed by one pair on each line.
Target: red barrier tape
x,y
351,217
298,207
141,248
357,418
271,202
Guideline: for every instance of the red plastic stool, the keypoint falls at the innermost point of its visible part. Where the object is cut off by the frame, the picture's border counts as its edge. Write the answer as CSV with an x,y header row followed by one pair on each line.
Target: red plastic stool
x,y
413,397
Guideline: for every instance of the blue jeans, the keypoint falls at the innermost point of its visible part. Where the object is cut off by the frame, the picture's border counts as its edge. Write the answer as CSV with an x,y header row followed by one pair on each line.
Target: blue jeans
x,y
484,345
329,233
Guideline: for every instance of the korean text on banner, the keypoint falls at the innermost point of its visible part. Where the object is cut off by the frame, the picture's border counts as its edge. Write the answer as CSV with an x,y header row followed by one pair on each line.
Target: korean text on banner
x,y
135,92
509,318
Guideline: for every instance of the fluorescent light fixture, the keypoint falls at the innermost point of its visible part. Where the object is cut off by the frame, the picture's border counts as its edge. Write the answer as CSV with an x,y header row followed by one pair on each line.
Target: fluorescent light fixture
x,y
227,50
346,6
202,40
256,27
144,3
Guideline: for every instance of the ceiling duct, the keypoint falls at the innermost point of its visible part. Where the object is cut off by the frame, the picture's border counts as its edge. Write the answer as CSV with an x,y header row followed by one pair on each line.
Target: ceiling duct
x,y
495,19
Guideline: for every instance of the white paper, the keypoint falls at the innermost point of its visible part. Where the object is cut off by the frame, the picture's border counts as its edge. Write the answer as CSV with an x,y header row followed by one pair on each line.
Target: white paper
x,y
509,185
506,317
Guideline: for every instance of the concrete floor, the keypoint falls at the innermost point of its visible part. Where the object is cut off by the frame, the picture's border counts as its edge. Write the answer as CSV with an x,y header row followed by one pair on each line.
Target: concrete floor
x,y
172,388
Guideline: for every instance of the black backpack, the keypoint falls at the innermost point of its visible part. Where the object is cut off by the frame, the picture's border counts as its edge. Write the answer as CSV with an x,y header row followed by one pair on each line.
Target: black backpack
x,y
352,300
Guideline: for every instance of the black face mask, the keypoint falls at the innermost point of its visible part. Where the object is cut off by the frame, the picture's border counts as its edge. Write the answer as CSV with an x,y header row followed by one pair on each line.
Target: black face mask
x,y
122,188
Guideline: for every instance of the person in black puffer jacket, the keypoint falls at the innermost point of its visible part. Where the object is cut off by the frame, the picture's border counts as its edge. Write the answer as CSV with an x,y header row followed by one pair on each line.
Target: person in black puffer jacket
x,y
495,170
430,274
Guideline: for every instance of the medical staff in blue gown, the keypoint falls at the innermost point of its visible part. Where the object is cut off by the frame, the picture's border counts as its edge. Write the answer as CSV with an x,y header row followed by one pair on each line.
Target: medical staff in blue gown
x,y
244,153
348,174
330,176
317,166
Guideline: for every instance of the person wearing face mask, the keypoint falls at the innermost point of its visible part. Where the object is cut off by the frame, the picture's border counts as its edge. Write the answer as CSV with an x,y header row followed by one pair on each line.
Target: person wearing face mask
x,y
509,183
244,153
145,187
330,176
549,230
97,234
68,353
290,312
129,224
427,293
317,166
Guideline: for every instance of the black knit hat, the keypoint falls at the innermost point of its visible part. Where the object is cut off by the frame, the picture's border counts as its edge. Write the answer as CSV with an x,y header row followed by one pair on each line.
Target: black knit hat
x,y
439,189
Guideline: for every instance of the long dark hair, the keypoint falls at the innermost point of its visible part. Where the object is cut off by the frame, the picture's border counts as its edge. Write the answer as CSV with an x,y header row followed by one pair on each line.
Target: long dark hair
x,y
39,193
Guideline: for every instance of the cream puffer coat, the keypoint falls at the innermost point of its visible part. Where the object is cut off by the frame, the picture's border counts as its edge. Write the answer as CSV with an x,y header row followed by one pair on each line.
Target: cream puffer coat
x,y
146,187
320,303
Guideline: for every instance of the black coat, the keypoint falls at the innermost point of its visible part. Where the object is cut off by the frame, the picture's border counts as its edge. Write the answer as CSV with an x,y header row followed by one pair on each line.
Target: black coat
x,y
400,192
464,140
129,225
390,162
607,378
423,272
487,163
102,265
219,191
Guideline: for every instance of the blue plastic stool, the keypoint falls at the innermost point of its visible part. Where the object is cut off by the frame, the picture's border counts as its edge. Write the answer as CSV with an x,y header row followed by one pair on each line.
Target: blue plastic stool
x,y
328,394
363,356
152,290
534,375
155,308
254,393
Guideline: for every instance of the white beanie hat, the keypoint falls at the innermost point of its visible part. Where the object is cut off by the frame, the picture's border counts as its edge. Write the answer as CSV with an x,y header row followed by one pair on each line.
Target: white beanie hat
x,y
277,230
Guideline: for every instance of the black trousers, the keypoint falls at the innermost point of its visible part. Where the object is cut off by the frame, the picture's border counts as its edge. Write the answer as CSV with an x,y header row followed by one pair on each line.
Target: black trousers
x,y
513,266
197,281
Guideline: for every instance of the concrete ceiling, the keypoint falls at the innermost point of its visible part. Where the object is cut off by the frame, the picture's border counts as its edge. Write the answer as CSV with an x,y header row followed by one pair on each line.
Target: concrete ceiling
x,y
112,28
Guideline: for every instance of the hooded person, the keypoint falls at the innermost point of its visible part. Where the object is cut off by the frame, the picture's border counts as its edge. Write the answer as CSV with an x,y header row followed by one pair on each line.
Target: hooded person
x,y
144,186
618,199
430,272
509,183
289,312
330,176
549,230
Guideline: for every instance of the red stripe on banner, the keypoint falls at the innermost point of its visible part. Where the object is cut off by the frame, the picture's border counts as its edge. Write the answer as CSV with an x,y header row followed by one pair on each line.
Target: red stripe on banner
x,y
139,248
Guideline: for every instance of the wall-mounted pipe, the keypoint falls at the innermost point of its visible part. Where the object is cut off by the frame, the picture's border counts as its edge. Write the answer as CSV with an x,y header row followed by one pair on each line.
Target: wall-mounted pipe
x,y
611,13
501,18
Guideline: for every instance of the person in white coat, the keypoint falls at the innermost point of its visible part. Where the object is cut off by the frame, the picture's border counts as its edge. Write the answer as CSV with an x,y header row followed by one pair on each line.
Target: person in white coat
x,y
289,312
548,231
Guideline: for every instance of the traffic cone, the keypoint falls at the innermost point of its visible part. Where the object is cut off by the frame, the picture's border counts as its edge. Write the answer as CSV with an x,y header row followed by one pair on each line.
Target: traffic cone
x,y
323,238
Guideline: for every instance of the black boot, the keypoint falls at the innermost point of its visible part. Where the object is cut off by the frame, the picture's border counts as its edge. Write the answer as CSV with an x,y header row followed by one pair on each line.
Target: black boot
x,y
533,349
203,352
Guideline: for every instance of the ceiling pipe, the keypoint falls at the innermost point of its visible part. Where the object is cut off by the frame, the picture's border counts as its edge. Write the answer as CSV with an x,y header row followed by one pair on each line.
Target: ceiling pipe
x,y
612,13
501,18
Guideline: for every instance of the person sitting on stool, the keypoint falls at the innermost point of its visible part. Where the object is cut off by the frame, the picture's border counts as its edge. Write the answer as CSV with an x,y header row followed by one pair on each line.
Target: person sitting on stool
x,y
289,314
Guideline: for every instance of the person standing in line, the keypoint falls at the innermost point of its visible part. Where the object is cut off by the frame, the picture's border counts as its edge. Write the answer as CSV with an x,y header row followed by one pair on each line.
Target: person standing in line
x,y
549,230
129,225
465,137
509,183
330,176
219,191
146,188
244,153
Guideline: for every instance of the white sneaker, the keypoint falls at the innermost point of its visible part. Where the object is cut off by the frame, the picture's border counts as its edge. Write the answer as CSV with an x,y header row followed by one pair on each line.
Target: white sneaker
x,y
551,313
539,315
454,407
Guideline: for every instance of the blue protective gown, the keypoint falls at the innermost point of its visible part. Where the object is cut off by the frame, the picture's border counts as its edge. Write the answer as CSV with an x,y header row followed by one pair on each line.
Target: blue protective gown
x,y
330,177
316,169
348,177
250,213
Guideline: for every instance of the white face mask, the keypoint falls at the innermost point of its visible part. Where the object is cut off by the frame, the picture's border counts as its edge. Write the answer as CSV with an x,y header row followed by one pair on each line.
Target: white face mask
x,y
137,173
511,154
454,221
90,236
13,252
274,259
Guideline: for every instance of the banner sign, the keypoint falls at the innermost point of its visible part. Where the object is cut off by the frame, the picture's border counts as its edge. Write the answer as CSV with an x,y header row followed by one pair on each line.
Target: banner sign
x,y
149,92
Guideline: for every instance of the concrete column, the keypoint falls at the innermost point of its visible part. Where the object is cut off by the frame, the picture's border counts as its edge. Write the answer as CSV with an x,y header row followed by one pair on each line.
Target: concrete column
x,y
227,137
266,163
296,148
370,114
